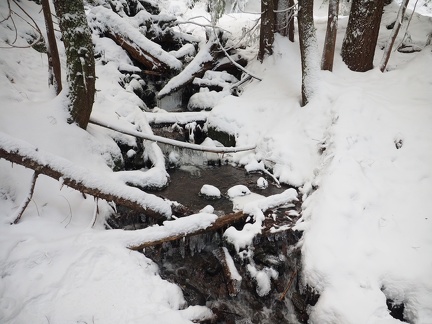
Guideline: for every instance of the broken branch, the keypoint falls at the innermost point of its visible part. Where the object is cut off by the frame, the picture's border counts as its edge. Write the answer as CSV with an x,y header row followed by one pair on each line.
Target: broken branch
x,y
27,199
81,179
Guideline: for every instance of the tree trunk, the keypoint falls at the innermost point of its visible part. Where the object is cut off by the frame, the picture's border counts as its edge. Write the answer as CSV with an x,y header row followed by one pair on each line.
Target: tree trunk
x,y
330,38
53,55
360,40
394,33
79,58
308,49
285,18
267,28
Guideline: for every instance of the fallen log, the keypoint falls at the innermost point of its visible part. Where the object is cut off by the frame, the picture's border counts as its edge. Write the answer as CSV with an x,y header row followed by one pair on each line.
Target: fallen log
x,y
219,223
231,275
139,47
164,140
203,61
81,179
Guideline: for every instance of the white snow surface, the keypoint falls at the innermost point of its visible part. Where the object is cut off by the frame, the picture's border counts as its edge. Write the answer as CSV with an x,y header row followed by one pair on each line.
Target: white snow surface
x,y
360,152
210,191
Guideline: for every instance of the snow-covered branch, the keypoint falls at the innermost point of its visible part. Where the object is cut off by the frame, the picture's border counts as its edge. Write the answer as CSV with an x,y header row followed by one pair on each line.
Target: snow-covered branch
x,y
168,141
81,179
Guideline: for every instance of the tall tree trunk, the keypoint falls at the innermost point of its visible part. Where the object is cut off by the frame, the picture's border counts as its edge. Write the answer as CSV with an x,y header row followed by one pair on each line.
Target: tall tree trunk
x,y
267,28
308,49
330,38
394,33
79,58
285,18
53,55
360,40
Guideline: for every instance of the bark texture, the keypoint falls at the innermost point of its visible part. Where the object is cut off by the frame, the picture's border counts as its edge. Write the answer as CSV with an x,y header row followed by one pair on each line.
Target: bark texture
x,y
358,48
267,28
330,38
285,18
308,49
53,54
79,58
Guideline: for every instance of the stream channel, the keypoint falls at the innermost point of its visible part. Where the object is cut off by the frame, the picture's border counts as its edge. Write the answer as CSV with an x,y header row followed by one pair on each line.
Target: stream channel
x,y
198,264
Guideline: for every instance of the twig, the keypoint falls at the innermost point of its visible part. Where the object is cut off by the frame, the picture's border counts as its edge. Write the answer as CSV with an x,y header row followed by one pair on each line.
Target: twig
x,y
289,285
409,22
393,35
28,198
95,212
232,61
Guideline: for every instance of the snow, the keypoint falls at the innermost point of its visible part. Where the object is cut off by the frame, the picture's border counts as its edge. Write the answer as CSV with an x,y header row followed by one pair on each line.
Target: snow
x,y
105,17
262,183
238,190
210,191
360,153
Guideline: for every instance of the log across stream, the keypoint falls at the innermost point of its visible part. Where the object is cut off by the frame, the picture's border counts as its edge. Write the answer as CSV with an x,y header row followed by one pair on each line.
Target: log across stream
x,y
198,264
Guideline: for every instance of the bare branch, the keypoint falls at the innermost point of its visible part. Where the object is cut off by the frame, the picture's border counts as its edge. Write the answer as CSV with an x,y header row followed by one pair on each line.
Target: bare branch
x,y
27,200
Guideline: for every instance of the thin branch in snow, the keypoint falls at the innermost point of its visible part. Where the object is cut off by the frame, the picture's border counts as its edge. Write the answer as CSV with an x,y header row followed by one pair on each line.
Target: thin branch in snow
x,y
95,212
289,285
201,25
409,21
70,211
393,35
25,203
32,25
232,61
286,9
9,12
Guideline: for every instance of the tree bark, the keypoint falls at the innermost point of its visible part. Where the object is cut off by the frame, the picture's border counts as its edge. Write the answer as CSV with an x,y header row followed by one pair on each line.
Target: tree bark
x,y
53,55
393,35
81,179
330,38
285,18
80,61
308,49
358,48
267,28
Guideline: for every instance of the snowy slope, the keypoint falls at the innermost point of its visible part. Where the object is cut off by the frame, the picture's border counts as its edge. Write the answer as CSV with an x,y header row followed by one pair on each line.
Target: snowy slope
x,y
361,152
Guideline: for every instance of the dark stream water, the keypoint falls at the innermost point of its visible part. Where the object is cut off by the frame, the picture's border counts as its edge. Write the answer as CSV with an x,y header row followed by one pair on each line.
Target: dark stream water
x,y
187,181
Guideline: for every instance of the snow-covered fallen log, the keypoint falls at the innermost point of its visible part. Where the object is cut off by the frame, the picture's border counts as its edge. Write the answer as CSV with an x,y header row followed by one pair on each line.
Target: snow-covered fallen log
x,y
81,179
183,227
130,39
203,61
169,141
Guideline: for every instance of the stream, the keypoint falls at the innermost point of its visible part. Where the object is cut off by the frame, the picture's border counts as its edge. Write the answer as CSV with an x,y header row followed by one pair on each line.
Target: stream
x,y
198,264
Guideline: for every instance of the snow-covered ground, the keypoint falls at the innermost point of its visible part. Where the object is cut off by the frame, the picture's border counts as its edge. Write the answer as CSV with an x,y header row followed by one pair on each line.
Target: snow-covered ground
x,y
361,153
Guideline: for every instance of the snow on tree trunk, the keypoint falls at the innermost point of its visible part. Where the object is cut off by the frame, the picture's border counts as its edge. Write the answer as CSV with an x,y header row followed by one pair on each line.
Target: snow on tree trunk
x,y
79,58
54,65
285,18
308,49
360,40
330,38
267,28
394,33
